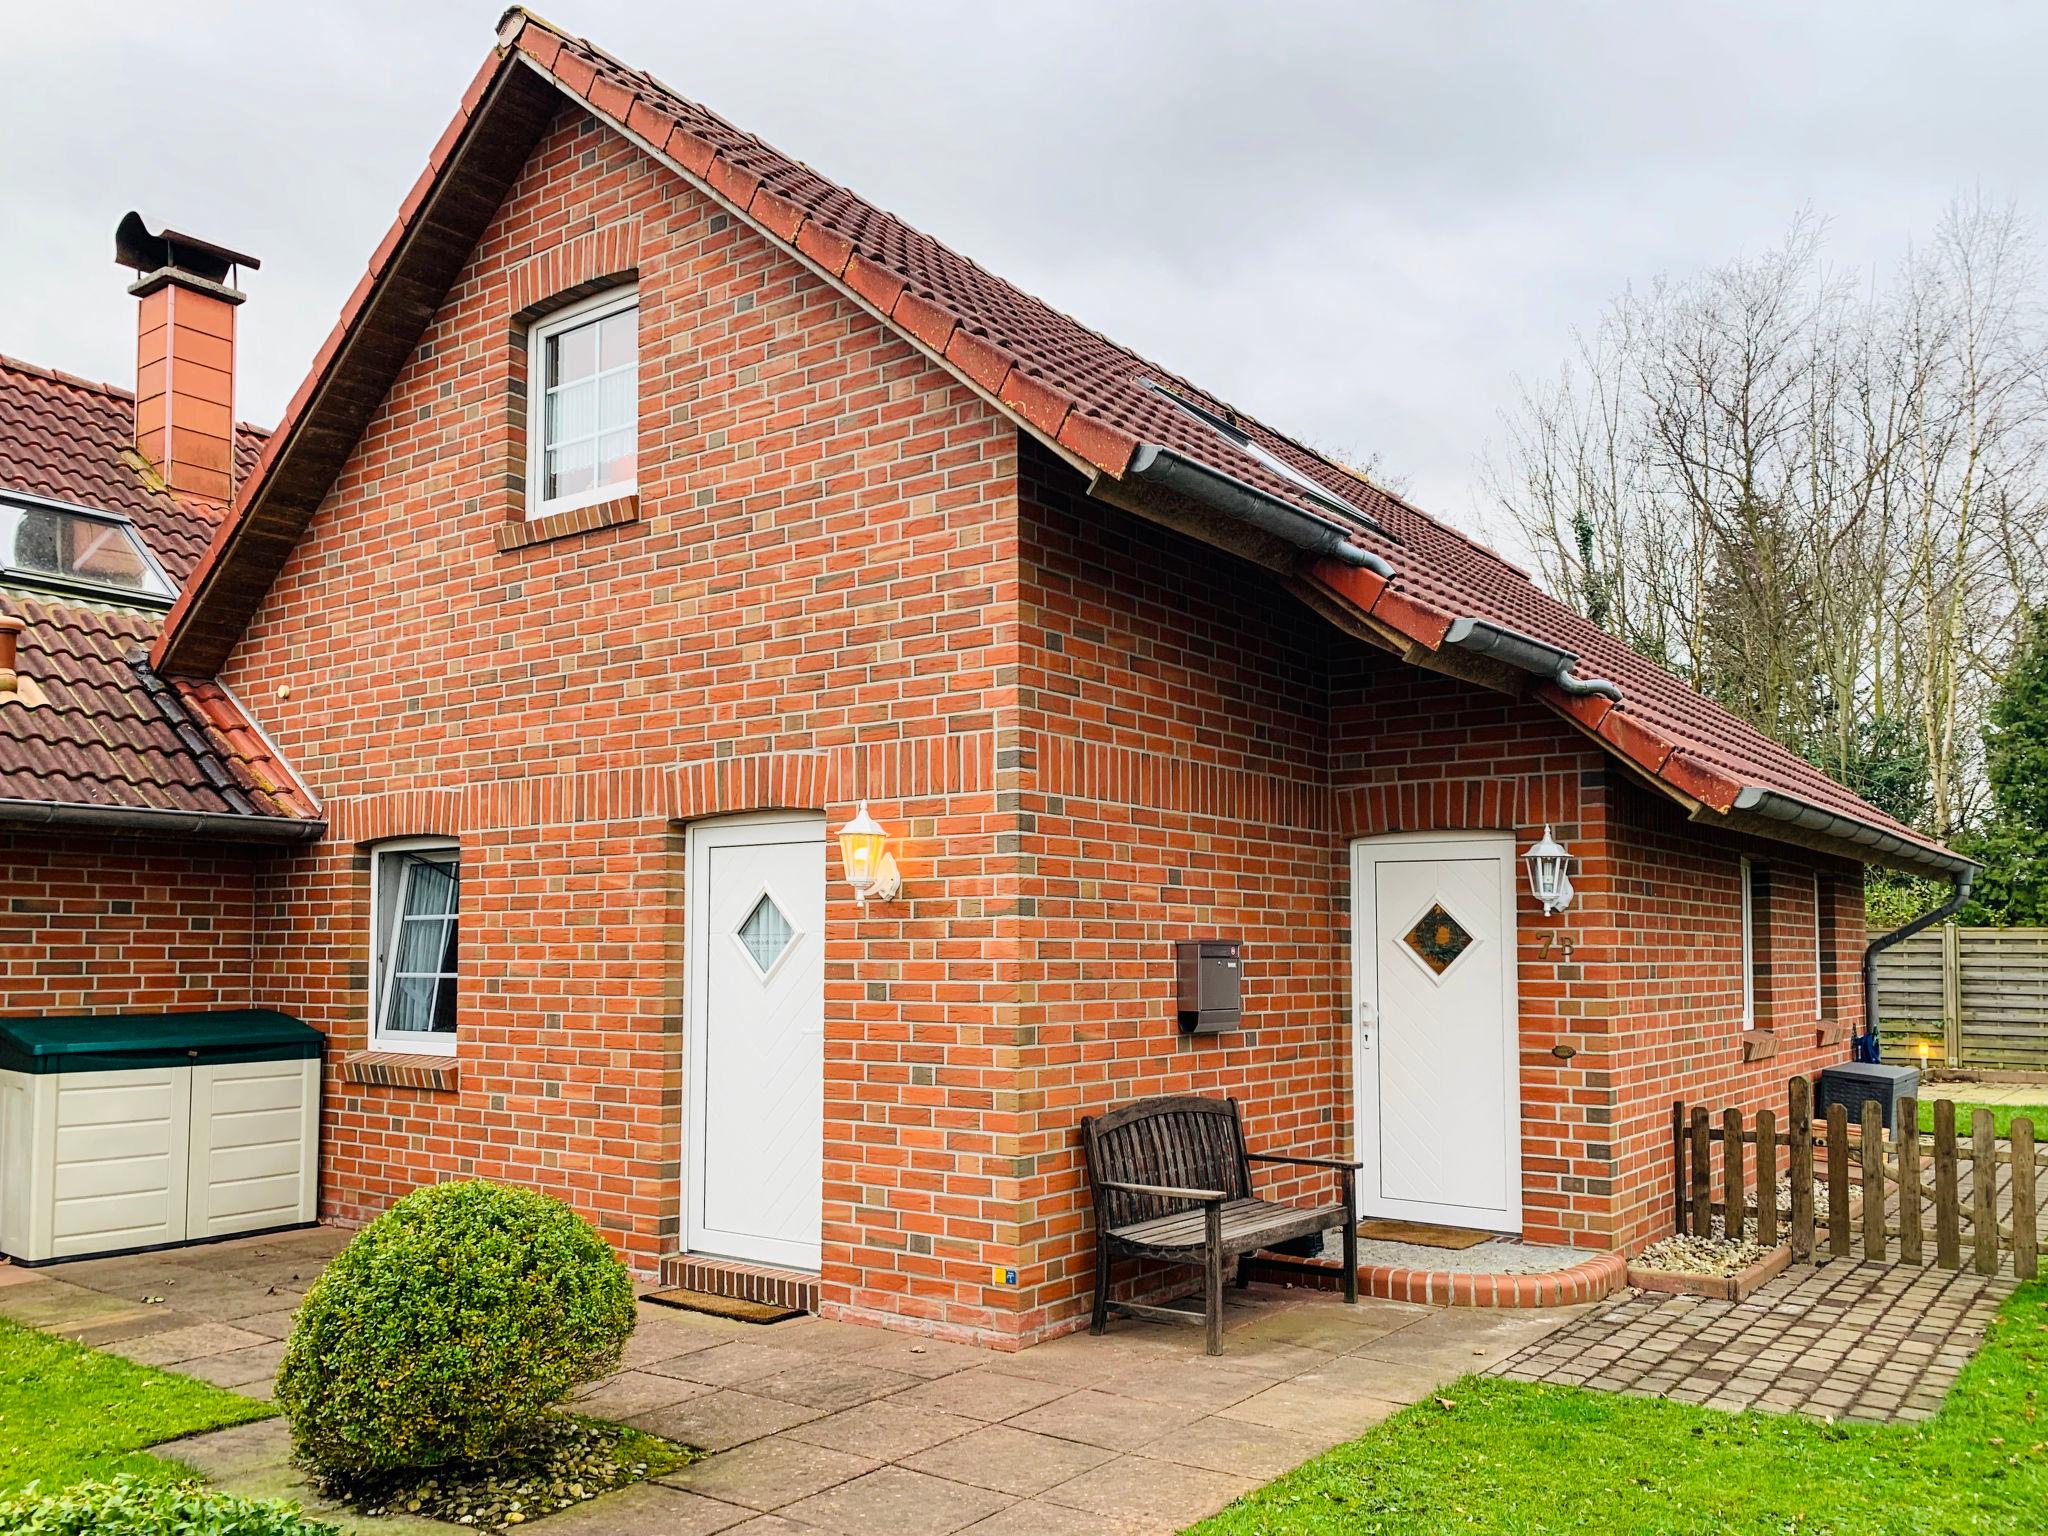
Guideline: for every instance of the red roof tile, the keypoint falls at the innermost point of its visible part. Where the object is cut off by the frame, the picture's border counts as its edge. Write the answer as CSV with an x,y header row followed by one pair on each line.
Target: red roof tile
x,y
112,734
1065,382
73,440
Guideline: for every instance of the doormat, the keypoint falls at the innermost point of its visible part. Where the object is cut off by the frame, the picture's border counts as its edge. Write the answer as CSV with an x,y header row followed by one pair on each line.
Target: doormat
x,y
723,1306
1420,1232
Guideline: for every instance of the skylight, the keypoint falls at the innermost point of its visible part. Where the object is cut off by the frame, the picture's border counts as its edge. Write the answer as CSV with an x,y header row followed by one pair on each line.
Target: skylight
x,y
51,544
1249,446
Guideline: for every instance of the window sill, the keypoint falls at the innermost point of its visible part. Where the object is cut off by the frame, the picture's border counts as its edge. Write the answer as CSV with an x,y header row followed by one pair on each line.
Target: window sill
x,y
1832,1034
521,532
402,1069
1759,1045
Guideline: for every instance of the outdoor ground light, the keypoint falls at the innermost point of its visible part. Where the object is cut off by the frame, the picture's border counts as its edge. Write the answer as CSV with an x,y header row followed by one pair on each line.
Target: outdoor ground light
x,y
1550,873
864,855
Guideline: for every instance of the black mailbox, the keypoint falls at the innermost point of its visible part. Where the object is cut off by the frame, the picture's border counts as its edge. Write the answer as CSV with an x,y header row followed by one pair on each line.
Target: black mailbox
x,y
1209,973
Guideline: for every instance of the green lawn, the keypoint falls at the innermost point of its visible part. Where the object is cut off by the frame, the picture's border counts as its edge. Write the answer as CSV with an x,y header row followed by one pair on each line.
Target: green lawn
x,y
68,1413
2003,1114
1509,1457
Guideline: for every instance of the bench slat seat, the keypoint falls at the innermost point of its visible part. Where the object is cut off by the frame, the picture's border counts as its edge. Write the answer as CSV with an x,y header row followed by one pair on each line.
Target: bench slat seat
x,y
1171,1180
1248,1226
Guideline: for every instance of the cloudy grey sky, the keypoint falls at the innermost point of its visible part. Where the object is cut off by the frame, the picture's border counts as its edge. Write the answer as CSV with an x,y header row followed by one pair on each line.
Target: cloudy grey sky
x,y
1360,221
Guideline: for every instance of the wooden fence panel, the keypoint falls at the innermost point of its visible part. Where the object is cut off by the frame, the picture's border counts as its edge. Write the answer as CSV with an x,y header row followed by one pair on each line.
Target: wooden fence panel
x,y
1734,1186
1878,1183
1976,997
1767,1178
1799,1126
1873,1180
1984,1191
1909,1181
2026,1241
1948,1211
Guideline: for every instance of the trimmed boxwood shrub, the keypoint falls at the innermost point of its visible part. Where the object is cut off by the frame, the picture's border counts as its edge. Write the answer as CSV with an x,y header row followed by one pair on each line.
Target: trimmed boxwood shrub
x,y
447,1327
128,1506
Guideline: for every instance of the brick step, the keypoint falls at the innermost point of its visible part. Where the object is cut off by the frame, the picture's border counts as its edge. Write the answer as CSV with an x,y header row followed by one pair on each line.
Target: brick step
x,y
741,1281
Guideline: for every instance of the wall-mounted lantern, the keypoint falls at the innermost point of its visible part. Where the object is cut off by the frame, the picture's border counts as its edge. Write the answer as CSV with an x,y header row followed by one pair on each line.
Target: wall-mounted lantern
x,y
865,857
1550,873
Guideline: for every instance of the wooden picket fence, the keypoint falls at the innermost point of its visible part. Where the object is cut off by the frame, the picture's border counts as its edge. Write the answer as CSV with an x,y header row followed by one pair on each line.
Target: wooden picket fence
x,y
1878,1187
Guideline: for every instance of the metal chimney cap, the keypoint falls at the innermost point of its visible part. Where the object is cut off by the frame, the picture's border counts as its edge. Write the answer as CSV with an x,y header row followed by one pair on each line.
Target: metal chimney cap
x,y
137,248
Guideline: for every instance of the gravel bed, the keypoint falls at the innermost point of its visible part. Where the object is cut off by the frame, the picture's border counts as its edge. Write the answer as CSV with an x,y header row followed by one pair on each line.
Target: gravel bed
x,y
1701,1256
1495,1256
571,1460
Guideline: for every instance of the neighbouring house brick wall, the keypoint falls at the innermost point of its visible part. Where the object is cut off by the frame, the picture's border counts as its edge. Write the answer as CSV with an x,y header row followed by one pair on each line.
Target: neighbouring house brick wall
x,y
808,603
91,923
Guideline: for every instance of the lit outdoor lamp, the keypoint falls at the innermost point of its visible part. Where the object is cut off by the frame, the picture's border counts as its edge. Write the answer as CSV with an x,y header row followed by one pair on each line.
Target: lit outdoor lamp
x,y
1550,873
864,856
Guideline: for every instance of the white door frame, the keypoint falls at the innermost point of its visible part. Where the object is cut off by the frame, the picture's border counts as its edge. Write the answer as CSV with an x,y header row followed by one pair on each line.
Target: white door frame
x,y
746,830
1366,855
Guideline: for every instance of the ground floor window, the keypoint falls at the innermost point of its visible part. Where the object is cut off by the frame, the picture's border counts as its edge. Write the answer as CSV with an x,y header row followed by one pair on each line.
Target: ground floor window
x,y
415,886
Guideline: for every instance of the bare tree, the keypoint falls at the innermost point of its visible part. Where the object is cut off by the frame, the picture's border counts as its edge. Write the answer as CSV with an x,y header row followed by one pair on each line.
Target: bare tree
x,y
1820,502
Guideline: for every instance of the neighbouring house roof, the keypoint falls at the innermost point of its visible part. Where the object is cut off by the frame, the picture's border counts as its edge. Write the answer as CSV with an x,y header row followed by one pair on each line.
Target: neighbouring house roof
x,y
1408,579
111,743
73,440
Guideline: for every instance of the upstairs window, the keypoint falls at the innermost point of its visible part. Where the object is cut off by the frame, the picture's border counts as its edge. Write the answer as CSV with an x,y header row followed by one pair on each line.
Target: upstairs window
x,y
415,886
52,544
583,406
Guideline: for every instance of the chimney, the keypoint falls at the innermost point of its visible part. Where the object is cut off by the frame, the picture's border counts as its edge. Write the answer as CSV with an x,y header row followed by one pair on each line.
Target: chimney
x,y
184,355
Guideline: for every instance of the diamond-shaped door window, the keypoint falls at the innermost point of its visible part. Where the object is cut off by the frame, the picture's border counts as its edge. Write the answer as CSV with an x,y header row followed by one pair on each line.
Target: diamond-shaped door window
x,y
765,934
1438,938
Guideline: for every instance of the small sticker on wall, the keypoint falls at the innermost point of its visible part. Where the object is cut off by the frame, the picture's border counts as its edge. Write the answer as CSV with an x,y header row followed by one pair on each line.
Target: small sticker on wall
x,y
1001,1276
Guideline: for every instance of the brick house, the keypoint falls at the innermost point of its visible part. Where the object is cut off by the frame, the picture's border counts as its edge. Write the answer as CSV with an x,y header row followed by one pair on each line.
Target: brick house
x,y
653,505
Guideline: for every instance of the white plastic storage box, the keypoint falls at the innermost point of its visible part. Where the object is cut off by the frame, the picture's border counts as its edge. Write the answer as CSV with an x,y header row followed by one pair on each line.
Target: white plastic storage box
x,y
132,1131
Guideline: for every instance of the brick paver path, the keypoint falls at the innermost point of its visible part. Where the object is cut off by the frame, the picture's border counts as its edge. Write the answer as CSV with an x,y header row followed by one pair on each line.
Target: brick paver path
x,y
1842,1340
824,1426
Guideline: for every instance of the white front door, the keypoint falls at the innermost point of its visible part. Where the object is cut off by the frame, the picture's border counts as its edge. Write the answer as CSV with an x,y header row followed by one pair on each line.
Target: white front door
x,y
754,1143
1439,1101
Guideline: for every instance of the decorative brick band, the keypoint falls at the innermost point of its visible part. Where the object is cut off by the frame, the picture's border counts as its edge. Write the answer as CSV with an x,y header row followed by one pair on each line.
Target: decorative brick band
x,y
1064,765
564,273
519,532
919,768
742,1282
1600,1276
401,1069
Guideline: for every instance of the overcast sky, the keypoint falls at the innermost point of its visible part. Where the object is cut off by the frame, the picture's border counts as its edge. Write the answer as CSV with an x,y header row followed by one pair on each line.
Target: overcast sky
x,y
1360,221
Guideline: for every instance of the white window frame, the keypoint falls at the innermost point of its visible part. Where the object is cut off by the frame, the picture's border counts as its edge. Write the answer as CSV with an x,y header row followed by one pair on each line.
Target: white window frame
x,y
384,952
570,317
1820,990
1747,876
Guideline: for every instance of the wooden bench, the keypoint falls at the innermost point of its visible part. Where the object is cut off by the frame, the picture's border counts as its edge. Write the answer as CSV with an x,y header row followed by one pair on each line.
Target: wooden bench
x,y
1171,1179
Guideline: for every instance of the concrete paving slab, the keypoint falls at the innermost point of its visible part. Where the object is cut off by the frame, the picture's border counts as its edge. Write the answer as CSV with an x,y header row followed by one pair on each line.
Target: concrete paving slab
x,y
1008,1460
767,1474
899,1501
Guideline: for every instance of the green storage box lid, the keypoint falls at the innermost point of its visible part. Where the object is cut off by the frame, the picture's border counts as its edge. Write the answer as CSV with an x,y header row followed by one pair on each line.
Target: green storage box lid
x,y
118,1042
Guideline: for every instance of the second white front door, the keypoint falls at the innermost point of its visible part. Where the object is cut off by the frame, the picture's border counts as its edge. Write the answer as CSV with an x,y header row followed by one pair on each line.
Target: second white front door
x,y
1438,1070
755,1064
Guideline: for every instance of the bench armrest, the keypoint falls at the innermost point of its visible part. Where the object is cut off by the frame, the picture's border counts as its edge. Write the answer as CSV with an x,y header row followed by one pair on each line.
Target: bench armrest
x,y
1167,1192
1304,1162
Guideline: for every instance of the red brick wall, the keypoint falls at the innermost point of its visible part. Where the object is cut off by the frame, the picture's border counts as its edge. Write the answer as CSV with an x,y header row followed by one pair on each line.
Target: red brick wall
x,y
1092,737
806,608
1174,707
91,923
1424,753
1677,973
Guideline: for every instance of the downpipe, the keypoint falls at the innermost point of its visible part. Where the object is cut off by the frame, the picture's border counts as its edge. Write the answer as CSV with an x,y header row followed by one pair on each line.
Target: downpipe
x,y
1865,1046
